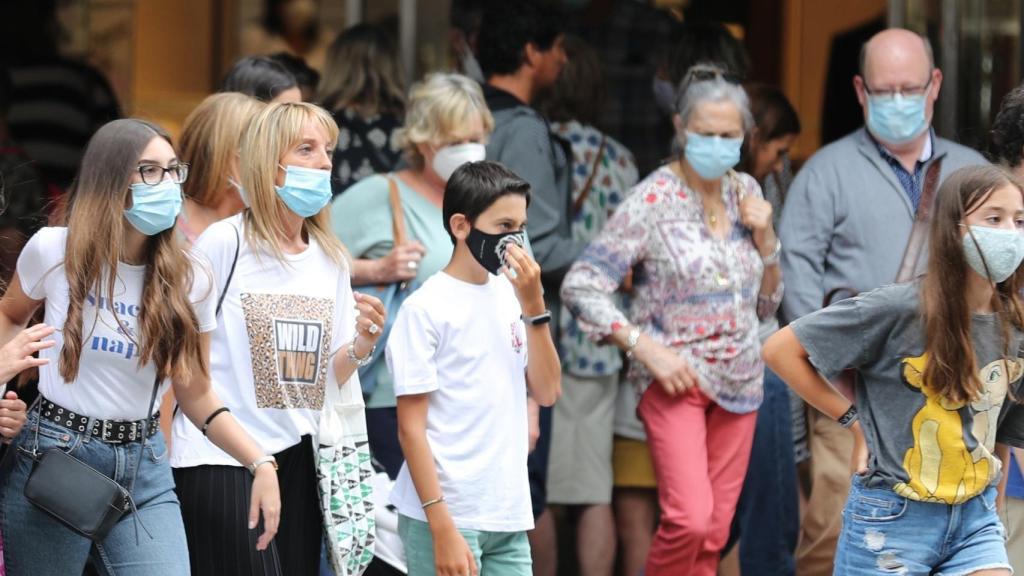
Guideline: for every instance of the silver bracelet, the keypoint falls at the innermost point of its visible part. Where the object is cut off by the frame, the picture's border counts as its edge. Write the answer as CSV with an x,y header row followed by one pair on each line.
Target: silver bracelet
x,y
360,362
773,258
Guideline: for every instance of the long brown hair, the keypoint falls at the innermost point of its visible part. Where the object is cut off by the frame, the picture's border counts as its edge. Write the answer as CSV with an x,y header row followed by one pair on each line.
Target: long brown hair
x,y
168,327
952,367
272,132
363,72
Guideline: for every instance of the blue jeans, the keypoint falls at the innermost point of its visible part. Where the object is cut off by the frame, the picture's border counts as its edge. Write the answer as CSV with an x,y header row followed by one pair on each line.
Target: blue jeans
x,y
37,543
885,533
767,517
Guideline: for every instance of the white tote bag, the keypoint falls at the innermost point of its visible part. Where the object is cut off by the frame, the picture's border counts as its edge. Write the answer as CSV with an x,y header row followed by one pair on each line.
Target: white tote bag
x,y
344,475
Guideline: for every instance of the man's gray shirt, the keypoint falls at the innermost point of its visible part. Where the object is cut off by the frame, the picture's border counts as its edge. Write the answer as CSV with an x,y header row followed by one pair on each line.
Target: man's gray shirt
x,y
847,219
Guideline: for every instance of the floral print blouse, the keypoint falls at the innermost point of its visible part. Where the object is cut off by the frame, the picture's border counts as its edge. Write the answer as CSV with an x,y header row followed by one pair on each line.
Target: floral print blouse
x,y
693,292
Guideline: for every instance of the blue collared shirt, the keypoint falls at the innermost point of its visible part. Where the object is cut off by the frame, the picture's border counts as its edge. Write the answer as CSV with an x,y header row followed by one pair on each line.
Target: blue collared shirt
x,y
911,182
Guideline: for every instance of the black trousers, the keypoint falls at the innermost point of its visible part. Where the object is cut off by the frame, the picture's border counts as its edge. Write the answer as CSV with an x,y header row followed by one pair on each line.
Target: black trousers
x,y
215,508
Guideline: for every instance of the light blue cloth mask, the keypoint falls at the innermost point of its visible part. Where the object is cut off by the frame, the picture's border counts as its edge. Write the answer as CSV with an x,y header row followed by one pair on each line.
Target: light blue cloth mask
x,y
1003,250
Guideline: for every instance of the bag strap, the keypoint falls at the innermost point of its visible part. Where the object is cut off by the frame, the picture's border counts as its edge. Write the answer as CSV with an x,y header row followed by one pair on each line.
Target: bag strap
x,y
231,273
922,220
397,215
582,198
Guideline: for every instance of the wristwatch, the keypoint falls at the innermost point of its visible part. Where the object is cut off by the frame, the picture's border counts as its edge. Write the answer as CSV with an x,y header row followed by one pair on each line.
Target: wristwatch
x,y
773,257
260,462
542,318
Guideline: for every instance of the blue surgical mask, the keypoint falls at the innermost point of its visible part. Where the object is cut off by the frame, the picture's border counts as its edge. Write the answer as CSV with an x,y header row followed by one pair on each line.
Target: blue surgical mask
x,y
306,190
711,156
154,208
1003,250
897,119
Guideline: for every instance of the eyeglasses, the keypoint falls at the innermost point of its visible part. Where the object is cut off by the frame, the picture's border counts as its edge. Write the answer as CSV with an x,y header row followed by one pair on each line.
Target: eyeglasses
x,y
153,174
903,92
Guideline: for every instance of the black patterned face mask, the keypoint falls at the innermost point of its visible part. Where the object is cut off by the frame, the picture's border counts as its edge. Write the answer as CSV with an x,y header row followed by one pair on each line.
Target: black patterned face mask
x,y
489,249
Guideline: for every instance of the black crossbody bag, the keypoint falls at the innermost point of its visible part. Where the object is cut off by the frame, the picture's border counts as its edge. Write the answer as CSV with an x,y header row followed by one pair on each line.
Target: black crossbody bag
x,y
83,498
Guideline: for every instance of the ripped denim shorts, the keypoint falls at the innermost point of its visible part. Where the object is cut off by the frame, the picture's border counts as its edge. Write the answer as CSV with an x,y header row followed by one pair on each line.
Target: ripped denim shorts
x,y
885,533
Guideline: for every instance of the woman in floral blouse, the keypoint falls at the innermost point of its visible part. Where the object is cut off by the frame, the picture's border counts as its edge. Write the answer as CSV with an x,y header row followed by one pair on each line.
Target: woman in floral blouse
x,y
699,239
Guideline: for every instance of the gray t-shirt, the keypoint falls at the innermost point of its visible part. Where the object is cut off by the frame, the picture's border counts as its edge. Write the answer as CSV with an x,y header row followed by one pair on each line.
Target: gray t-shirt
x,y
921,445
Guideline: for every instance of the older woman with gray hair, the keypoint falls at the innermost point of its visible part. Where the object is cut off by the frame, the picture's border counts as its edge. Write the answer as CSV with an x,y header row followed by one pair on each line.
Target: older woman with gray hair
x,y
447,123
699,238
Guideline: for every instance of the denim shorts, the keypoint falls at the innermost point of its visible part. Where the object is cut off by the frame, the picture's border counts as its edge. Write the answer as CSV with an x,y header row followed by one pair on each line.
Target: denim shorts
x,y
885,533
37,543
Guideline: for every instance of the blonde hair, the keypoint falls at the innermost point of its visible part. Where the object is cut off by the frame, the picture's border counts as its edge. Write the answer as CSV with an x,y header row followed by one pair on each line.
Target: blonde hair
x,y
439,107
210,138
168,326
270,135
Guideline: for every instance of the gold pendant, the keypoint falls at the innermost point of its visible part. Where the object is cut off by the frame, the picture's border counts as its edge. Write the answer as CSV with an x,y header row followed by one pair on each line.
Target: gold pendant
x,y
713,220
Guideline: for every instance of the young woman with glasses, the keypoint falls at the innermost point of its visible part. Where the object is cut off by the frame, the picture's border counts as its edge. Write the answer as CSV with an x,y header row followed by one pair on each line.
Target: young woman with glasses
x,y
131,310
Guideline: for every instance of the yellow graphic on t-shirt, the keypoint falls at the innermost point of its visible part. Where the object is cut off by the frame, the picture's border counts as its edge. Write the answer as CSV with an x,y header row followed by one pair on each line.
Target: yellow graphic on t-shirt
x,y
948,463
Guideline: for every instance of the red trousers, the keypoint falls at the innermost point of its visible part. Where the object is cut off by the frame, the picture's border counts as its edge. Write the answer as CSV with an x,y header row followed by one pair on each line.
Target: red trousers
x,y
700,453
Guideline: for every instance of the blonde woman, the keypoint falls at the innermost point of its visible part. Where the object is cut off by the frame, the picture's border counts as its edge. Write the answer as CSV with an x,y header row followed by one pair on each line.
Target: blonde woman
x,y
363,86
446,125
289,327
210,139
129,306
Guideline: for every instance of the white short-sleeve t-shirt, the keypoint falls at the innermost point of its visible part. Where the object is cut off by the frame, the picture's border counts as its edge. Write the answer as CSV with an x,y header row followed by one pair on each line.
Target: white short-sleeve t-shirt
x,y
465,345
271,355
110,382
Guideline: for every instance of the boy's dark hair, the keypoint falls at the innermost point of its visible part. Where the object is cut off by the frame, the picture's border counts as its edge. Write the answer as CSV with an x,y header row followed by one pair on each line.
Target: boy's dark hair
x,y
259,77
475,186
506,29
305,76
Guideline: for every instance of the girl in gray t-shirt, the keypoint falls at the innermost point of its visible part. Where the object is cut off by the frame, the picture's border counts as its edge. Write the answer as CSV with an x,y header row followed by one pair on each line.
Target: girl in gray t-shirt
x,y
938,369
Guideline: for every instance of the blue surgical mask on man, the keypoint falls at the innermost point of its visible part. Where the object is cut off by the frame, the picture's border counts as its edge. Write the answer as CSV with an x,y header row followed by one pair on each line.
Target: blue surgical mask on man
x,y
306,190
897,119
711,156
154,208
1002,249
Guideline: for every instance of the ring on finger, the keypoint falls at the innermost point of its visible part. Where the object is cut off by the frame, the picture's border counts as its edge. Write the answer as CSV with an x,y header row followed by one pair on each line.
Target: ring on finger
x,y
373,329
412,264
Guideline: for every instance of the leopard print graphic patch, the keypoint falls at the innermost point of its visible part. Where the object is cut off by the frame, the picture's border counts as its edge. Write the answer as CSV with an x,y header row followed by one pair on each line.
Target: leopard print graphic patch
x,y
290,342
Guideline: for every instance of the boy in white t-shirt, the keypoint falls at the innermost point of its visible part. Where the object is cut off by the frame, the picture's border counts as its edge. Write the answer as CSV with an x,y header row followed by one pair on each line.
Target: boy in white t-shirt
x,y
458,352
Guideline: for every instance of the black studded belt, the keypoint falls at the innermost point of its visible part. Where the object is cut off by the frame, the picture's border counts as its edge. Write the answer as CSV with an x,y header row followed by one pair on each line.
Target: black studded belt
x,y
110,431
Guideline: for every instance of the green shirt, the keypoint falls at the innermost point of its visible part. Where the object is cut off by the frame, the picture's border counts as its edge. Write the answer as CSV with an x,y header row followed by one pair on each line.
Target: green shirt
x,y
361,218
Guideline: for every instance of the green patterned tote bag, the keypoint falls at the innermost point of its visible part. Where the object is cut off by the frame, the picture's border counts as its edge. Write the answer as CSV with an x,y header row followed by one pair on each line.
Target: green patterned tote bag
x,y
344,477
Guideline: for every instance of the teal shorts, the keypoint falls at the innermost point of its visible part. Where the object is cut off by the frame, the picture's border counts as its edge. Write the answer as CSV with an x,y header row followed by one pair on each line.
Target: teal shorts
x,y
496,553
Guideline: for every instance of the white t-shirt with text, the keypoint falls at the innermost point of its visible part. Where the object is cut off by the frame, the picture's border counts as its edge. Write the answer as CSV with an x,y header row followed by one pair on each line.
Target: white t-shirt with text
x,y
465,345
110,383
271,356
